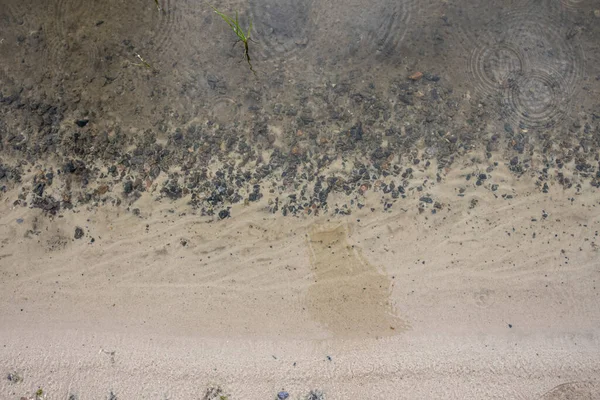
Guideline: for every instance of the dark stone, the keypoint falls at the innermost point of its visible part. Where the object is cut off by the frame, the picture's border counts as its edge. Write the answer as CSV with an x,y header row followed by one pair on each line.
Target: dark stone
x,y
74,167
39,189
283,395
155,172
224,214
78,233
14,377
70,167
406,99
356,132
426,199
82,122
380,153
48,204
127,187
172,190
514,161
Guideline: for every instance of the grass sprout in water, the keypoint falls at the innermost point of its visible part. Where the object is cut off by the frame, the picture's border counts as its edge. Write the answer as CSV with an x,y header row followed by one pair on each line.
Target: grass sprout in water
x,y
237,29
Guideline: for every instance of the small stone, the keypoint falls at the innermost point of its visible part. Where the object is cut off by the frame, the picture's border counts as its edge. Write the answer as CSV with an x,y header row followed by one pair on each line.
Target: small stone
x,y
39,189
82,122
283,395
78,233
14,377
494,187
128,187
426,199
416,76
224,214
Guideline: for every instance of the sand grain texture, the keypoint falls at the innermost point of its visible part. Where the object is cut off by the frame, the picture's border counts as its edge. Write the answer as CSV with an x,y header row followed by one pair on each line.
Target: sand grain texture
x,y
495,301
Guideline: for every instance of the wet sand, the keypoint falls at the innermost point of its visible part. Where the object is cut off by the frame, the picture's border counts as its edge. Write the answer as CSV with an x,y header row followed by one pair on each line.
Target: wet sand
x,y
496,300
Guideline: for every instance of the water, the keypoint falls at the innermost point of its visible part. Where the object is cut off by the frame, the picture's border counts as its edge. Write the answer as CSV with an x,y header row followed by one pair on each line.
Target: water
x,y
321,68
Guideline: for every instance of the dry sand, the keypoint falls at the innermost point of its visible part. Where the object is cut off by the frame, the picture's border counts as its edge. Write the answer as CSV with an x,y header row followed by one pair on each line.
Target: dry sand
x,y
489,298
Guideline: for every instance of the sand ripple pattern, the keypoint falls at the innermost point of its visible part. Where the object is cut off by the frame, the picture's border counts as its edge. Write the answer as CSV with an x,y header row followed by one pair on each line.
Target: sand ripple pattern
x,y
350,33
166,25
389,27
533,62
81,24
22,16
572,5
15,12
67,17
280,27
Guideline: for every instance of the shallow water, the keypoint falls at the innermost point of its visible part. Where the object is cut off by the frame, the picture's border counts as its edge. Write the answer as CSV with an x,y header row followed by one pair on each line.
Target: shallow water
x,y
321,66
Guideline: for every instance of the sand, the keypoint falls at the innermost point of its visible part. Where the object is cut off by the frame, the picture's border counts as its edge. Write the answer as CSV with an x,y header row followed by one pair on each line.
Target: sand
x,y
490,297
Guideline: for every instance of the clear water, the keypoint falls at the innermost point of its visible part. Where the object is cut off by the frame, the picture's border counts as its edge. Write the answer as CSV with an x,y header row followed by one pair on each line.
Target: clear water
x,y
333,80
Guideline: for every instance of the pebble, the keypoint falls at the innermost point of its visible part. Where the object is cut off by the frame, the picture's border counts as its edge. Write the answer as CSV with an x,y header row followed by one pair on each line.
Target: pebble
x,y
224,214
416,76
82,122
283,395
78,233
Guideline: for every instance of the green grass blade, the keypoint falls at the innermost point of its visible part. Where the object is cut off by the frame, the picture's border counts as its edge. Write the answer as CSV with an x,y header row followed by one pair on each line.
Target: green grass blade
x,y
225,18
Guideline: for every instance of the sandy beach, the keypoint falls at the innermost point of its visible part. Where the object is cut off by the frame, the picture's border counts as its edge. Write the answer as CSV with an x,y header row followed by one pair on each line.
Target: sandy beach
x,y
487,298
383,199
